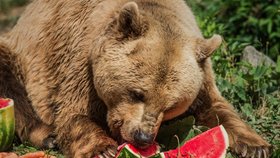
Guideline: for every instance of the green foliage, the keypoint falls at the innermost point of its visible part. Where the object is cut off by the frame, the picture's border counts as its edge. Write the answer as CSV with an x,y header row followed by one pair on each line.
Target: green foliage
x,y
254,91
238,81
178,130
166,135
6,5
250,21
276,154
25,148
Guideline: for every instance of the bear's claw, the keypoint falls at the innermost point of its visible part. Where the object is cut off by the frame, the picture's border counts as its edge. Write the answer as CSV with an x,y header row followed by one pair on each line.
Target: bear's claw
x,y
110,152
246,151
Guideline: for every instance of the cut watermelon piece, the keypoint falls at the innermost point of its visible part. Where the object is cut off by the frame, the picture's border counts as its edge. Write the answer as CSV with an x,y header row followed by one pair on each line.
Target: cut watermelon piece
x,y
128,150
210,144
7,123
4,102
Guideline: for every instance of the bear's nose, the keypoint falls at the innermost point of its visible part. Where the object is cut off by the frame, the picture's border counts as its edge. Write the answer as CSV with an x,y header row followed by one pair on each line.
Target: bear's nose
x,y
143,139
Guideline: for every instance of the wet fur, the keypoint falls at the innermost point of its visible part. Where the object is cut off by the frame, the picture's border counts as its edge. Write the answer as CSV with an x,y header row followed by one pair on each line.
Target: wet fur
x,y
71,65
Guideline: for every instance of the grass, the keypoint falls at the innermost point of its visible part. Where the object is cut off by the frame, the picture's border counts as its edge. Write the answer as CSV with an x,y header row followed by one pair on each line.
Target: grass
x,y
22,149
255,92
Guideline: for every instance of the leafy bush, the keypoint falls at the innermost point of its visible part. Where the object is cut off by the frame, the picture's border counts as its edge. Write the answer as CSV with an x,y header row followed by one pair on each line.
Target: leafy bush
x,y
250,21
254,91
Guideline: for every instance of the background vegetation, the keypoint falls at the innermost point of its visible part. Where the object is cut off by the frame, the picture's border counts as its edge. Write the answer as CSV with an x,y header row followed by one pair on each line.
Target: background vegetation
x,y
254,91
9,13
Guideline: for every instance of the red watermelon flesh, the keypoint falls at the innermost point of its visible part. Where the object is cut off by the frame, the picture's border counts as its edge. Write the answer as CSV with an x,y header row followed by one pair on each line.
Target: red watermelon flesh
x,y
210,144
4,103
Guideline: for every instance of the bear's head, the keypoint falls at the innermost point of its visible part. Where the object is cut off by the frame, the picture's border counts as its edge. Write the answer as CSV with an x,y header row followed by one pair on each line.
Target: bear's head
x,y
148,70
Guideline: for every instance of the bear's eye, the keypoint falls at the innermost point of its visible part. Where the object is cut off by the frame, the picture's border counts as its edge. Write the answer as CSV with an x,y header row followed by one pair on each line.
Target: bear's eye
x,y
137,95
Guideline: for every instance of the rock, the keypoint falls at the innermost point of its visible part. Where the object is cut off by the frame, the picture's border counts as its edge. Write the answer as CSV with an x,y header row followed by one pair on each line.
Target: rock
x,y
256,58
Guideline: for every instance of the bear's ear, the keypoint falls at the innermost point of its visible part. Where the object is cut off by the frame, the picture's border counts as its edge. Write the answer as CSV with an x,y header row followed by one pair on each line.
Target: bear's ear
x,y
129,20
206,47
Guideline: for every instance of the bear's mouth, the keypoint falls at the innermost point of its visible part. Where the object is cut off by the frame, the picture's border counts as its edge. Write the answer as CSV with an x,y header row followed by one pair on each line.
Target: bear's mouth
x,y
137,145
142,139
141,145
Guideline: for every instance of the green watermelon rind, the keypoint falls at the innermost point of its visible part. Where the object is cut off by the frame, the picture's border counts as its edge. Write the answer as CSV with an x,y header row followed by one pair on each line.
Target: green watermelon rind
x,y
159,155
128,151
7,126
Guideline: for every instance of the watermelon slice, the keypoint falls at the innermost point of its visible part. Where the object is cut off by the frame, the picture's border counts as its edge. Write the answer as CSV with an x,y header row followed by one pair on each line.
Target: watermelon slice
x,y
128,150
210,144
7,123
4,102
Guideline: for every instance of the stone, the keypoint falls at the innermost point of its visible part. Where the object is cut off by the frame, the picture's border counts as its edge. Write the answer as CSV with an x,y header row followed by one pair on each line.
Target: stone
x,y
256,58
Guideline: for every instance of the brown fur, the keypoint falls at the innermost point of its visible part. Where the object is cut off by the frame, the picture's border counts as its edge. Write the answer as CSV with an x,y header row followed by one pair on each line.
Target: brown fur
x,y
96,72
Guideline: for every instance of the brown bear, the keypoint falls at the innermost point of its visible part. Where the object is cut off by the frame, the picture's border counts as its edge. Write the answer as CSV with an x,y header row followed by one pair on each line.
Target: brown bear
x,y
89,74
